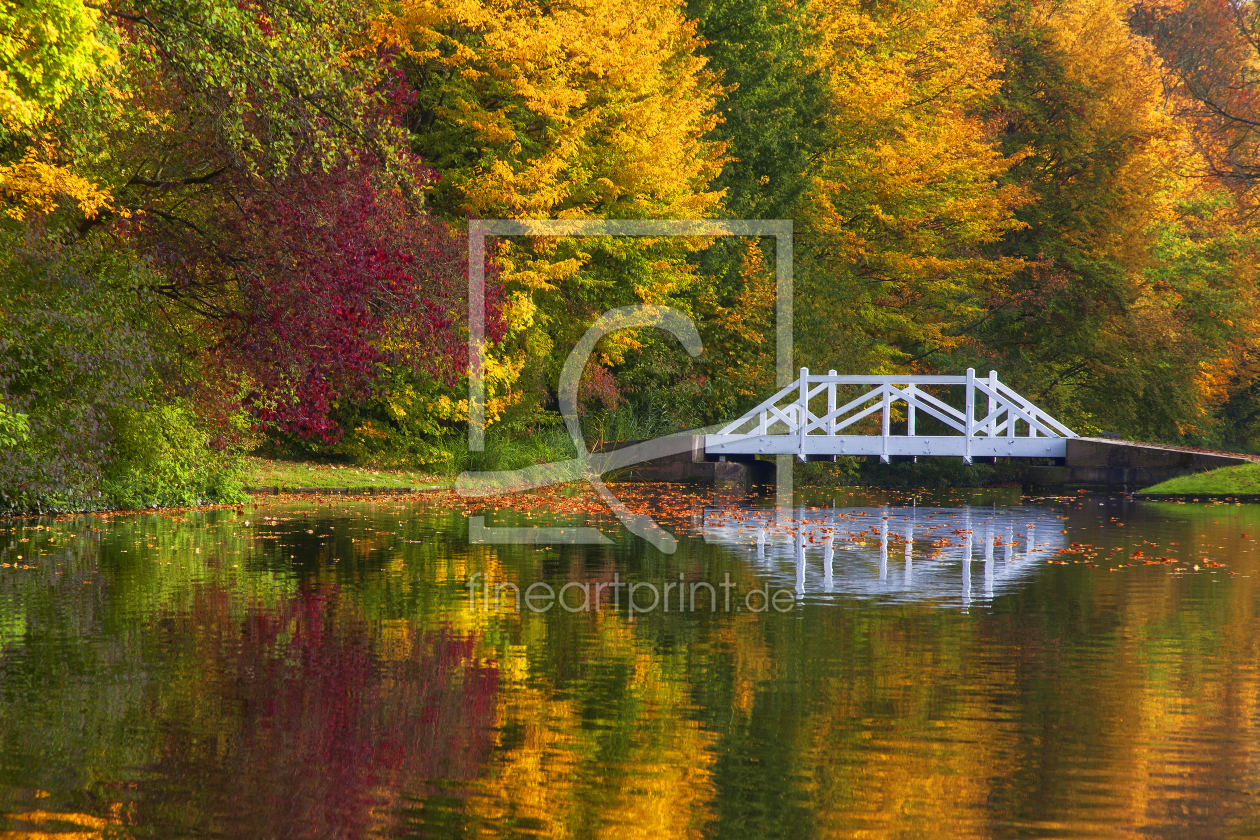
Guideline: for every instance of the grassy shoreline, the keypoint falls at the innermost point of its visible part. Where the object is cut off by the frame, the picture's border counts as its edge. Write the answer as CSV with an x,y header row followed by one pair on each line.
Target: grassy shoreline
x,y
1243,479
286,476
292,475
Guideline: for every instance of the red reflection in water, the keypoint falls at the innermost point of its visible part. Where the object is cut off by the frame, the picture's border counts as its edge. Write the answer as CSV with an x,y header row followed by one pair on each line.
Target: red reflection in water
x,y
304,718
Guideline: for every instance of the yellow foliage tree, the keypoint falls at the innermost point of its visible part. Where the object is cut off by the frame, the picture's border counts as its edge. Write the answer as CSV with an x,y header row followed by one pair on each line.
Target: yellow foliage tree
x,y
49,50
38,183
580,109
739,333
907,195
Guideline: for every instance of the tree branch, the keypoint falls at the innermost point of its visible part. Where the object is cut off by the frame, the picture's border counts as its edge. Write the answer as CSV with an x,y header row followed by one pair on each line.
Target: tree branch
x,y
143,19
181,182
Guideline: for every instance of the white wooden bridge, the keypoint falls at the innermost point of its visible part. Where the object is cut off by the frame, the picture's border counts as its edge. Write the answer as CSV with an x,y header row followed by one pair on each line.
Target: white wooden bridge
x,y
805,419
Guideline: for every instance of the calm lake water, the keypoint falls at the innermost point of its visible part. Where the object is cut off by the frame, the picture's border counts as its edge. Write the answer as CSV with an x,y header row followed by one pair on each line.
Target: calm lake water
x,y
950,665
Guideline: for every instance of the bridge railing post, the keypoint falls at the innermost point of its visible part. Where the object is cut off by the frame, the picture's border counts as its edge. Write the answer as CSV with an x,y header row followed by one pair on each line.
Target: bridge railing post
x,y
993,404
910,406
886,427
1010,418
802,410
970,413
831,405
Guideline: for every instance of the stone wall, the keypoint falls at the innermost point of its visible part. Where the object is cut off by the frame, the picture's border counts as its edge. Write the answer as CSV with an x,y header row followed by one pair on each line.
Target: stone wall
x,y
692,468
1121,465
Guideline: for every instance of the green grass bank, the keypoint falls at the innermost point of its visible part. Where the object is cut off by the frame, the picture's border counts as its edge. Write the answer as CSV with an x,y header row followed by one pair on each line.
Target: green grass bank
x,y
1240,480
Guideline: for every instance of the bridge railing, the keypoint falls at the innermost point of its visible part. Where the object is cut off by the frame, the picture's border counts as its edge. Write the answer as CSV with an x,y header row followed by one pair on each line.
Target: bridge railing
x,y
989,424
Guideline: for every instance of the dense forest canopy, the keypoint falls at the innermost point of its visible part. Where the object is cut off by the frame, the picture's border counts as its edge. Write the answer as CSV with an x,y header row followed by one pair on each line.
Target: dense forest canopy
x,y
230,224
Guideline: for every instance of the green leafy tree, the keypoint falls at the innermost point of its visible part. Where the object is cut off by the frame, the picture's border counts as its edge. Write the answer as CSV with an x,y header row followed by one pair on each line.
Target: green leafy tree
x,y
82,361
775,129
15,428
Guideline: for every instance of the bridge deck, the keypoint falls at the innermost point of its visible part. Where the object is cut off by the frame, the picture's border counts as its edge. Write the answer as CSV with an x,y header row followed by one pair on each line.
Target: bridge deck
x,y
922,446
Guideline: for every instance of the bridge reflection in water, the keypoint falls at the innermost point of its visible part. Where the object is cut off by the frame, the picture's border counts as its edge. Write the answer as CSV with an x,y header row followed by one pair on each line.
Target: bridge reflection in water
x,y
846,551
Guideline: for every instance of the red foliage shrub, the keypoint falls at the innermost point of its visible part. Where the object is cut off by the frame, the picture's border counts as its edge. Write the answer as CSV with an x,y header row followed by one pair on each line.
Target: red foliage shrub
x,y
338,279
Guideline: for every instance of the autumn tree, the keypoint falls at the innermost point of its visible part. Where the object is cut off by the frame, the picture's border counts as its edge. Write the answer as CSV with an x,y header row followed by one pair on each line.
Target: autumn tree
x,y
773,122
50,52
262,164
1211,55
905,196
253,157
581,109
773,114
1101,323
337,282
